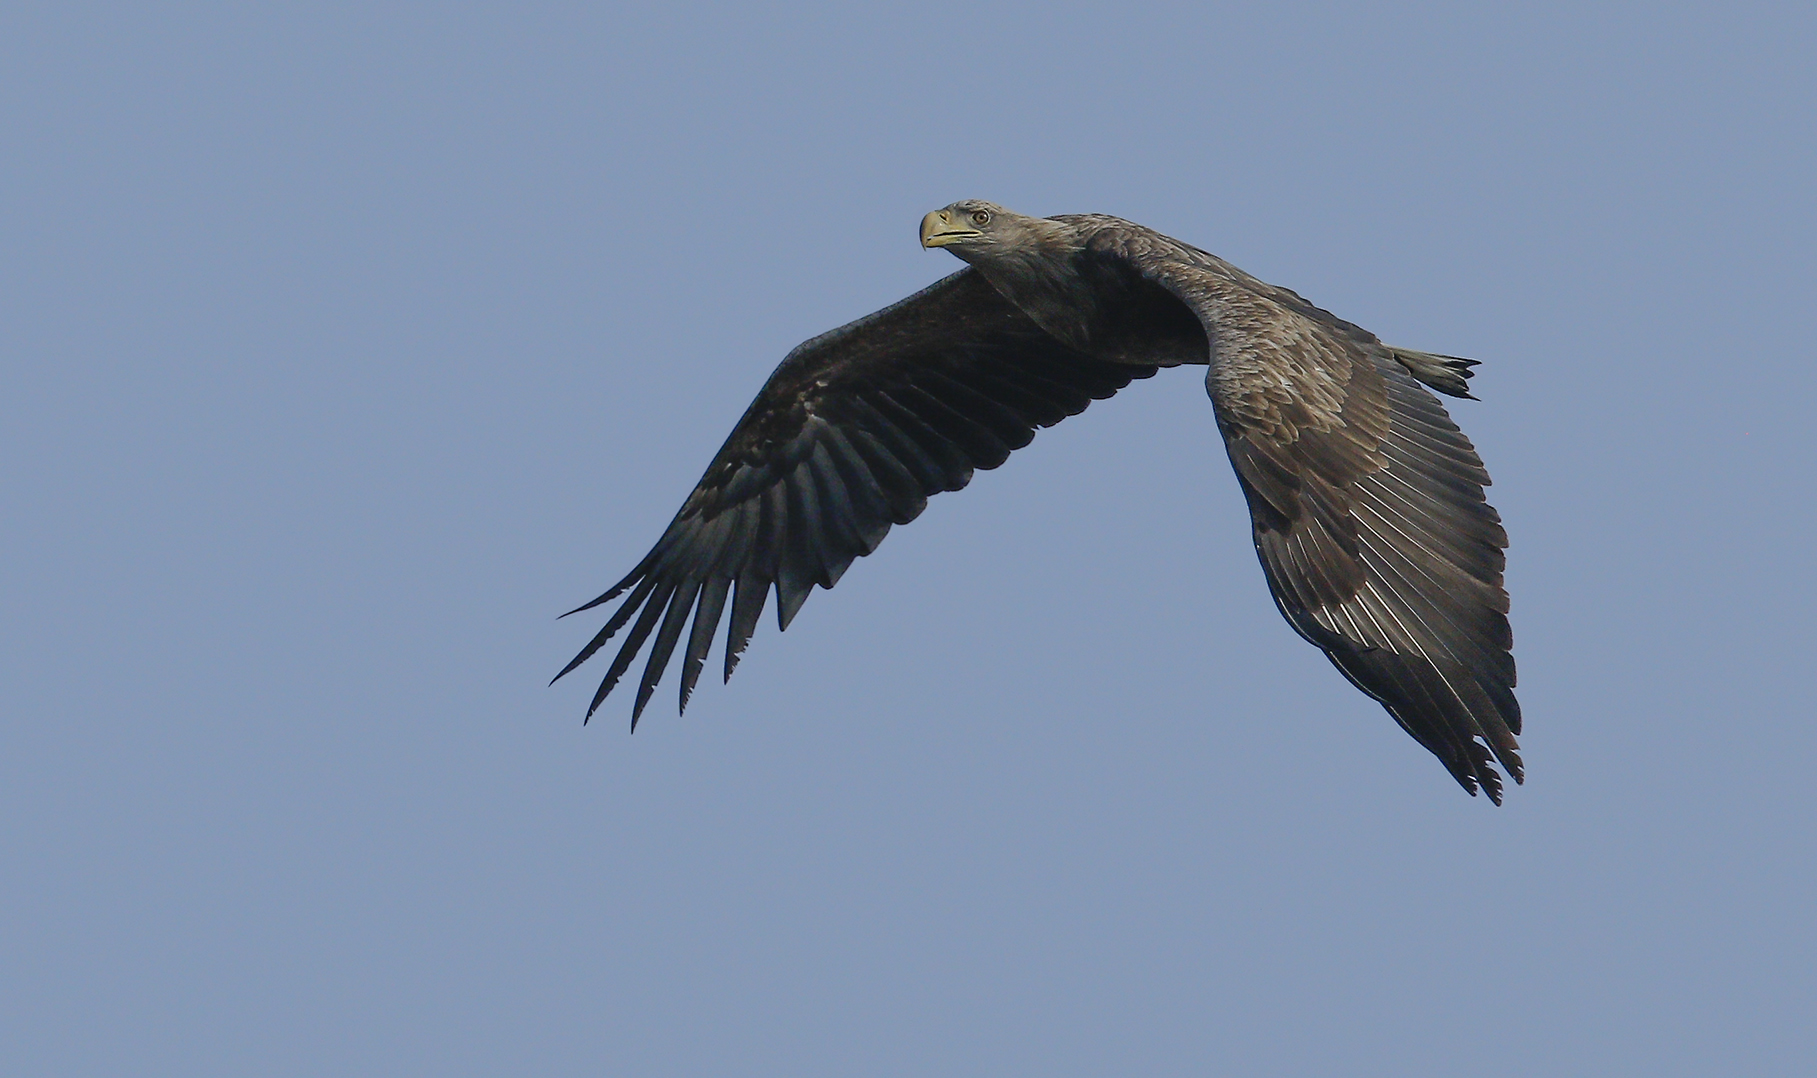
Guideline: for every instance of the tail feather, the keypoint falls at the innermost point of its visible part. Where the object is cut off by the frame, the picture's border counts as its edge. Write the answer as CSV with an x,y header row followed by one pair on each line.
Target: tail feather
x,y
1447,374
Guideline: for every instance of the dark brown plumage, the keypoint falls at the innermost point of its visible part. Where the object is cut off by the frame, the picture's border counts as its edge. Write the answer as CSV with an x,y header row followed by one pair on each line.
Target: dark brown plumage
x,y
1366,500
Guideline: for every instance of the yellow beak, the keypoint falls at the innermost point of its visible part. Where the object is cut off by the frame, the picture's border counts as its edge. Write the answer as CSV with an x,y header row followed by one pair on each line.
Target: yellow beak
x,y
938,230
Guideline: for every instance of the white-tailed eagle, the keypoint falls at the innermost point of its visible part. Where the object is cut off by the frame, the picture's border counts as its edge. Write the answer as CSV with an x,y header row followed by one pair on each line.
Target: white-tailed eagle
x,y
1366,500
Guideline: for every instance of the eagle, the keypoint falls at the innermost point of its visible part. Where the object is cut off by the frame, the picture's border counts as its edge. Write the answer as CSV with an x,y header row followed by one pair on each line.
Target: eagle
x,y
1365,499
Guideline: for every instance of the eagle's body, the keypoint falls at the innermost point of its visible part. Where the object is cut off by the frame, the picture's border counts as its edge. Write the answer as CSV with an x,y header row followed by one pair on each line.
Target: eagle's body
x,y
1366,501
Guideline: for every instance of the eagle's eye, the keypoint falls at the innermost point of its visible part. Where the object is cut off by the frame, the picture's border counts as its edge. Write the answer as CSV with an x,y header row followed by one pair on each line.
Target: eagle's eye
x,y
980,217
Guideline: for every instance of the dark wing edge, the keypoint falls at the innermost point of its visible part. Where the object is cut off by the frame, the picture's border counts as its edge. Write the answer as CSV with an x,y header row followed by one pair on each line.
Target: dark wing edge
x,y
850,435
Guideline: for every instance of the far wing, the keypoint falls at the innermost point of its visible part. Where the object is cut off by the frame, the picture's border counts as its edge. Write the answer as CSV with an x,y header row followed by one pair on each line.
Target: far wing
x,y
851,434
1367,505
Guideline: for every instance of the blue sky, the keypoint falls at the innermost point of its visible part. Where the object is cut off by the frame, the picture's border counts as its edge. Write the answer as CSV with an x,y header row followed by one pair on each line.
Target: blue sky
x,y
346,345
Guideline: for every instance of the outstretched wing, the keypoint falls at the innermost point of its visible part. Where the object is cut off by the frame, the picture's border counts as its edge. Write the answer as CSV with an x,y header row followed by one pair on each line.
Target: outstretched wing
x,y
1367,504
852,433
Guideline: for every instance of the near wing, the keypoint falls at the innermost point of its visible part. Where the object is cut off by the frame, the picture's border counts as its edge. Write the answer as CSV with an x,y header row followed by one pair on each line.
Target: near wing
x,y
850,435
1367,505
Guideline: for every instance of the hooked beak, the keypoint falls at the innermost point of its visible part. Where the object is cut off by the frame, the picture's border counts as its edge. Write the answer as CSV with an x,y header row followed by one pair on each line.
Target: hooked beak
x,y
938,230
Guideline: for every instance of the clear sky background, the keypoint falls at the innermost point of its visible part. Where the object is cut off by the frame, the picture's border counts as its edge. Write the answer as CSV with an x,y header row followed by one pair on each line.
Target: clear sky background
x,y
345,345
